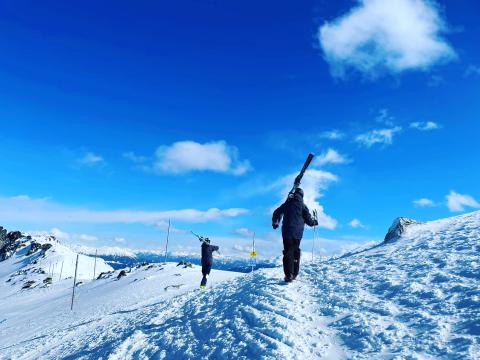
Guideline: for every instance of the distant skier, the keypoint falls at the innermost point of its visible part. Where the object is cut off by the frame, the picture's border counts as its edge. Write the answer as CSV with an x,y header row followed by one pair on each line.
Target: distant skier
x,y
207,258
295,215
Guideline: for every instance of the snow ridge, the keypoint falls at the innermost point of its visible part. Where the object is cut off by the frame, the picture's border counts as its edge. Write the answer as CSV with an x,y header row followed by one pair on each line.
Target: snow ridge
x,y
417,297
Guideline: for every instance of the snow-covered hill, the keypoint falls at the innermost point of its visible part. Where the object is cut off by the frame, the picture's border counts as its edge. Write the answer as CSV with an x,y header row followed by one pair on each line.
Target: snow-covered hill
x,y
32,262
414,296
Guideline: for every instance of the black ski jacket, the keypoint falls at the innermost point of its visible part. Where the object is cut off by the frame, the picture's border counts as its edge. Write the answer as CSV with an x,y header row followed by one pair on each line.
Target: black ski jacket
x,y
207,253
295,215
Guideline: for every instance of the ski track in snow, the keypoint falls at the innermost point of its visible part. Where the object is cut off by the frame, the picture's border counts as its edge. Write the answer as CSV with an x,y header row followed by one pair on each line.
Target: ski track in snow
x,y
253,316
414,298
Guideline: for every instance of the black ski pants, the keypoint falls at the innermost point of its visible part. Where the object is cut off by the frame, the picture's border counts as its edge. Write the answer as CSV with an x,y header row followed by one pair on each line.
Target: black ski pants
x,y
206,268
291,257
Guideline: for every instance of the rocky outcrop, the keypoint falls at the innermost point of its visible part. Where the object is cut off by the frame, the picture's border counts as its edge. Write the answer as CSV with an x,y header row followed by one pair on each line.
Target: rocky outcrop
x,y
34,246
185,264
46,246
8,243
398,227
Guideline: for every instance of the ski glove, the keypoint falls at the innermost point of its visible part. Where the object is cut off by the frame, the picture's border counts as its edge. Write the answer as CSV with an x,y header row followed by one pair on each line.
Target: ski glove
x,y
275,226
315,222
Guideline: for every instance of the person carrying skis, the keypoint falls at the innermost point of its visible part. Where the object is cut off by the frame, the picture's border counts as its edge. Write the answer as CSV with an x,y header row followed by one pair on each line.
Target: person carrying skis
x,y
207,259
295,215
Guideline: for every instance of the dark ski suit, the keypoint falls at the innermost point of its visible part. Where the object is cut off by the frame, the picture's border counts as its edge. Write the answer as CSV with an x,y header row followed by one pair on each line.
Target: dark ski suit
x,y
295,215
207,260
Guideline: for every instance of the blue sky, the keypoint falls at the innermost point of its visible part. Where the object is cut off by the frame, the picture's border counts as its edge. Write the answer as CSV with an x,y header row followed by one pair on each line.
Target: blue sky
x,y
118,116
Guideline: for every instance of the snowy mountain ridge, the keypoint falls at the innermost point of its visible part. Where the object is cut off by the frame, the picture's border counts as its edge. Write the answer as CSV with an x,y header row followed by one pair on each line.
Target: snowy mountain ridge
x,y
415,296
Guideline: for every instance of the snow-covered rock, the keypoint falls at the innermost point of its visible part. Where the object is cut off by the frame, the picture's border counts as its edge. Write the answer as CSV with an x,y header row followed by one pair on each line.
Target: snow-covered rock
x,y
398,227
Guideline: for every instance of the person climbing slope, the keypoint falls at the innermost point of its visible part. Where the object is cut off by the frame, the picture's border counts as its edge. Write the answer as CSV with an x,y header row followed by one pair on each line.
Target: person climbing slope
x,y
295,215
207,258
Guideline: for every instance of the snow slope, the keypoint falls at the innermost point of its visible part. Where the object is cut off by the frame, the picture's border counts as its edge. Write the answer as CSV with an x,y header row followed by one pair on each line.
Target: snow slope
x,y
47,259
416,296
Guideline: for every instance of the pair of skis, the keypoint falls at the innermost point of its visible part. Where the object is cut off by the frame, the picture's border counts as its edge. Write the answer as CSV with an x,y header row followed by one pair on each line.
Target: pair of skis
x,y
299,177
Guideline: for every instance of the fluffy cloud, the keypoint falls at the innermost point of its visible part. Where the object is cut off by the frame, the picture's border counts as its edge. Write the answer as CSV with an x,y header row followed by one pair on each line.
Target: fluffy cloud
x,y
356,224
65,236
332,135
314,183
91,159
186,156
425,126
331,156
378,136
379,35
26,209
457,202
86,237
423,202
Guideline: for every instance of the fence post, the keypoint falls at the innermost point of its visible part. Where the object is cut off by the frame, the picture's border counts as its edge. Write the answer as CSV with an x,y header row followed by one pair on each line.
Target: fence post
x,y
74,283
61,271
166,245
95,265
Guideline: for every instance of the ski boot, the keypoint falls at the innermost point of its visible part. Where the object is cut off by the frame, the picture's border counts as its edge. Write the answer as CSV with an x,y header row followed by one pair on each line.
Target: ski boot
x,y
203,284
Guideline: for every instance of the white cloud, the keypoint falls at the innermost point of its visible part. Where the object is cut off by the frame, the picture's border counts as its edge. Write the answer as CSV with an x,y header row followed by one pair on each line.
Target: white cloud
x,y
332,135
186,156
120,240
244,232
313,184
457,202
357,224
63,236
425,126
91,159
331,156
59,234
86,237
378,35
384,117
378,136
423,202
164,226
44,210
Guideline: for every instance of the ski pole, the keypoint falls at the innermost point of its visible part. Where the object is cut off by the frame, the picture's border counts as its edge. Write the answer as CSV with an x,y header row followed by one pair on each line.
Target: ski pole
x,y
314,233
74,283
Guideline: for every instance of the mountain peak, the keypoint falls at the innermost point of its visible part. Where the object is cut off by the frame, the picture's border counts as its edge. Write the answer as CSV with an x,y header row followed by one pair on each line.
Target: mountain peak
x,y
398,227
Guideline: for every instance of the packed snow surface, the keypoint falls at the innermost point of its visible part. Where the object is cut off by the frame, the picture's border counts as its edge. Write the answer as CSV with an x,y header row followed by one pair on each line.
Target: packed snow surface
x,y
414,297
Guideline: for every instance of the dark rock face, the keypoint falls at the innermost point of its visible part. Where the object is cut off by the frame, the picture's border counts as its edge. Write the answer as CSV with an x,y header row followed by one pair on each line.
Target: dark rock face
x,y
8,244
121,274
45,247
185,264
104,275
3,236
14,235
398,227
33,248
48,281
28,284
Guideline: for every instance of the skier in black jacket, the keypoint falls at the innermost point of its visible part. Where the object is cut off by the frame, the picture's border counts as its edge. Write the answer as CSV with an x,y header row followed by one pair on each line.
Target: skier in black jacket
x,y
295,215
207,259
